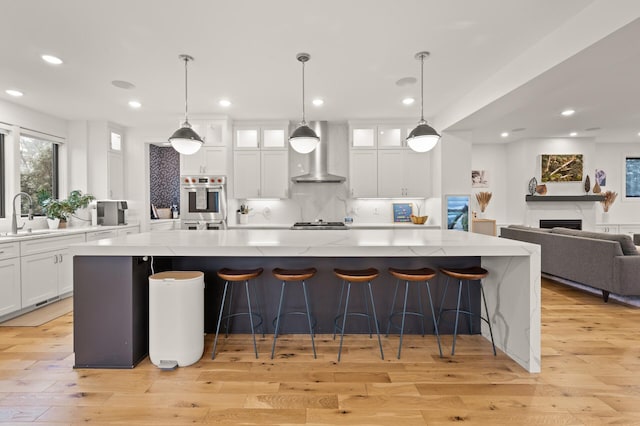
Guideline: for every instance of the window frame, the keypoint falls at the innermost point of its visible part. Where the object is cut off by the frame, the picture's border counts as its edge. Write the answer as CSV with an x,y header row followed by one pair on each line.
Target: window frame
x,y
625,198
55,159
3,177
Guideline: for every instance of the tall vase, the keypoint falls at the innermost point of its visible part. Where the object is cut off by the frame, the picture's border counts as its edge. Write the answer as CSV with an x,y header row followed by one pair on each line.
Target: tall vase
x,y
605,217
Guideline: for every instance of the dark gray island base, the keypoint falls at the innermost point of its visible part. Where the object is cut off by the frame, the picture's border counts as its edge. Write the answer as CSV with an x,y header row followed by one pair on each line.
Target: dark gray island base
x,y
111,299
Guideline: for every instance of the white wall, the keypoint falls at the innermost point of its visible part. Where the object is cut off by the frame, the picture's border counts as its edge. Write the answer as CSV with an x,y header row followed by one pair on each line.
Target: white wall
x,y
493,160
610,158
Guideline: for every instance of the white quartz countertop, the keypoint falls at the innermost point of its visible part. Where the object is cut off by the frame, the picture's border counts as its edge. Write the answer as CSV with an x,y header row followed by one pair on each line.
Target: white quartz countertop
x,y
6,237
404,242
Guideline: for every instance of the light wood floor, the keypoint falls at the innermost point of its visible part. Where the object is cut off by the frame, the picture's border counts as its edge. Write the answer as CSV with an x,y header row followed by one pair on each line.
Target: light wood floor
x,y
591,376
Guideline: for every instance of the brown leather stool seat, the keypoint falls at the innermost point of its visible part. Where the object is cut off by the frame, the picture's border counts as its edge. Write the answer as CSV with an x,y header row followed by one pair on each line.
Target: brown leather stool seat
x,y
350,276
231,276
468,275
412,276
287,276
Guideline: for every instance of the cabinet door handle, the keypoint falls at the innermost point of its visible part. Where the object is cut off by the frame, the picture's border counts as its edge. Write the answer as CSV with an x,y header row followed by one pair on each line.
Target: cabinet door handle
x,y
60,258
55,258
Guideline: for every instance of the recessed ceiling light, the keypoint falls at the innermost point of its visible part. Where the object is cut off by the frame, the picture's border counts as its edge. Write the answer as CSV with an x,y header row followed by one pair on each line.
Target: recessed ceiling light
x,y
568,112
317,102
638,133
408,101
135,104
406,81
121,84
573,134
504,134
14,93
54,60
224,103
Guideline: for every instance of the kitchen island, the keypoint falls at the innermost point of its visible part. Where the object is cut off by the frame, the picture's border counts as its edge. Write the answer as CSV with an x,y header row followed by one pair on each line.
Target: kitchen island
x,y
111,292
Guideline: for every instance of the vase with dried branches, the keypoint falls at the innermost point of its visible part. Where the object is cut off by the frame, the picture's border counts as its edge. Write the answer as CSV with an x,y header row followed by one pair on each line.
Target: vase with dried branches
x,y
483,200
609,198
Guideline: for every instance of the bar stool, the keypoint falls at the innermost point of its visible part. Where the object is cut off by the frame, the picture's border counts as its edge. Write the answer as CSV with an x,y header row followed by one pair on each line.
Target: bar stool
x,y
234,276
474,273
293,275
414,276
356,276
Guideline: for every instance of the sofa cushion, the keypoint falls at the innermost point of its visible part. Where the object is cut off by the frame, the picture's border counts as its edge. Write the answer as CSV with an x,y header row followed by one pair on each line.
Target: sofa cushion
x,y
529,228
625,241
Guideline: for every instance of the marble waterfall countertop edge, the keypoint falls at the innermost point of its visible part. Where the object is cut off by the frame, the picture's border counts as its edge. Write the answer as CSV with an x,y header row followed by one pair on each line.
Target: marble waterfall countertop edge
x,y
307,243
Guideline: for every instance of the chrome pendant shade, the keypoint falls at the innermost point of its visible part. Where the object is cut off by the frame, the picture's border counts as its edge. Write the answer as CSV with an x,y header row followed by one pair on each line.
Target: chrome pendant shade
x,y
185,140
303,139
424,137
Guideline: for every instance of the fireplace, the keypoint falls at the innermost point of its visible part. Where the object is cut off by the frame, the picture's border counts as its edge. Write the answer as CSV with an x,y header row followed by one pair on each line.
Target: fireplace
x,y
564,223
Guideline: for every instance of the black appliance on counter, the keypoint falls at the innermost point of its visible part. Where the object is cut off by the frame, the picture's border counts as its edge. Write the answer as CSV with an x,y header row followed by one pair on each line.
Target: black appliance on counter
x,y
321,225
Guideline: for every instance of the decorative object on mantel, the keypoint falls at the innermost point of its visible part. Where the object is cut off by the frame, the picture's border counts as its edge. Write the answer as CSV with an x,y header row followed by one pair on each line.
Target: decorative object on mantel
x,y
609,198
541,189
532,185
418,220
483,199
587,184
596,188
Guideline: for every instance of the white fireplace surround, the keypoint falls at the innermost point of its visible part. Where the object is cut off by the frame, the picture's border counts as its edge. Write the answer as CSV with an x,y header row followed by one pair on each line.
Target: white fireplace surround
x,y
549,210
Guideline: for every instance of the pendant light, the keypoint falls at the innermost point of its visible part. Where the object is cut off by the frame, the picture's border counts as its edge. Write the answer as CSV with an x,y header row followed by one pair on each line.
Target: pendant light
x,y
303,139
424,137
185,140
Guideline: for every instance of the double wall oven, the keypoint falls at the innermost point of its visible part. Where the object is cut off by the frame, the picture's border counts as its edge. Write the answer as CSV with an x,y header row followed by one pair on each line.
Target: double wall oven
x,y
203,202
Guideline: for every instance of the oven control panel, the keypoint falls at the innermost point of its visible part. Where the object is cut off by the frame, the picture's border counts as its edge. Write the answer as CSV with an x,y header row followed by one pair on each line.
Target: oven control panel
x,y
203,180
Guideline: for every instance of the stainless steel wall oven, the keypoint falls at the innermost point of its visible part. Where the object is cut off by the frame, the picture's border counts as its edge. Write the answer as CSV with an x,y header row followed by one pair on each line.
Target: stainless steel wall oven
x,y
203,202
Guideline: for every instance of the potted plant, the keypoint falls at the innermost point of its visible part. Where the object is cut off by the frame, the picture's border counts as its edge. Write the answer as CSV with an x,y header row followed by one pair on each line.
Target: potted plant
x,y
59,211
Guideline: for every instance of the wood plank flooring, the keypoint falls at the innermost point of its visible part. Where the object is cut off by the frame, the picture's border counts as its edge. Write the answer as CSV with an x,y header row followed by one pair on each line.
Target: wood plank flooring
x,y
590,376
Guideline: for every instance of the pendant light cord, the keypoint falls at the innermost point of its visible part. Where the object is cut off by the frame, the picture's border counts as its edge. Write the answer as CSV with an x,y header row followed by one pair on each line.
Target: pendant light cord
x,y
303,118
422,88
186,103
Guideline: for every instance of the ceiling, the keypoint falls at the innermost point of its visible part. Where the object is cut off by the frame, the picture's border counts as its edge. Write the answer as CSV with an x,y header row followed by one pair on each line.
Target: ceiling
x,y
245,51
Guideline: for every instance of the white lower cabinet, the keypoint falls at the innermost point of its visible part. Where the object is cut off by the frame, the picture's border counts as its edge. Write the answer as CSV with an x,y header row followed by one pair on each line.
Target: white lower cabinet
x,y
39,277
10,300
609,229
46,268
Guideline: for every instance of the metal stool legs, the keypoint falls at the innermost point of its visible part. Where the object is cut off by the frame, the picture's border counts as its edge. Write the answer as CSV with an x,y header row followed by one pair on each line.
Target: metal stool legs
x,y
308,314
346,312
229,315
466,312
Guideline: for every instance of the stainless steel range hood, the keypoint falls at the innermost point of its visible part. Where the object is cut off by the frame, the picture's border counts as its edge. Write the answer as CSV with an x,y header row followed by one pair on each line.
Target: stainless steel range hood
x,y
318,158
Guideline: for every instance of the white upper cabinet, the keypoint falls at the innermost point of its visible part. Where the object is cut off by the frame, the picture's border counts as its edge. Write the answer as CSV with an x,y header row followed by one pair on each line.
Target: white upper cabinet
x,y
260,160
260,135
213,157
363,173
372,135
382,165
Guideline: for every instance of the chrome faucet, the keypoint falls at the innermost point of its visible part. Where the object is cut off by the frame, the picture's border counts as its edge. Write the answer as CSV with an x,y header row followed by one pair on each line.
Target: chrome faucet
x,y
14,220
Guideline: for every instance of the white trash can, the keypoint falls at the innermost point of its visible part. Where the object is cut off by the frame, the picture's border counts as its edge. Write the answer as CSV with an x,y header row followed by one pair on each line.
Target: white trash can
x,y
176,318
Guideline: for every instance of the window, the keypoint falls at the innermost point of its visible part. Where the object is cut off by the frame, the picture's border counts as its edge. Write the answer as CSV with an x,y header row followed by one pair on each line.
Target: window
x,y
2,176
632,177
116,142
38,171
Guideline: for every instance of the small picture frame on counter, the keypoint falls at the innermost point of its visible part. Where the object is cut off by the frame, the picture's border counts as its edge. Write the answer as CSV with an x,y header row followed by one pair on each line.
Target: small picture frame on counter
x,y
402,212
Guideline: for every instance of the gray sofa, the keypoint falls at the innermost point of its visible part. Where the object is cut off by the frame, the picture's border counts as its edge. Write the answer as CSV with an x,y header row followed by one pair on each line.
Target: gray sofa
x,y
609,262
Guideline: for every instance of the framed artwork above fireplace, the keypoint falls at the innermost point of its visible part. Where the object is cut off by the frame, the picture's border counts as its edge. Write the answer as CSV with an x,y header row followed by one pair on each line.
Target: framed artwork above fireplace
x,y
561,168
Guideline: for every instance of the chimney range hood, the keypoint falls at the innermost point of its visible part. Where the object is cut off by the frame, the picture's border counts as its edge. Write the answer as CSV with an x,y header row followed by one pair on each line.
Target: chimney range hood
x,y
318,158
